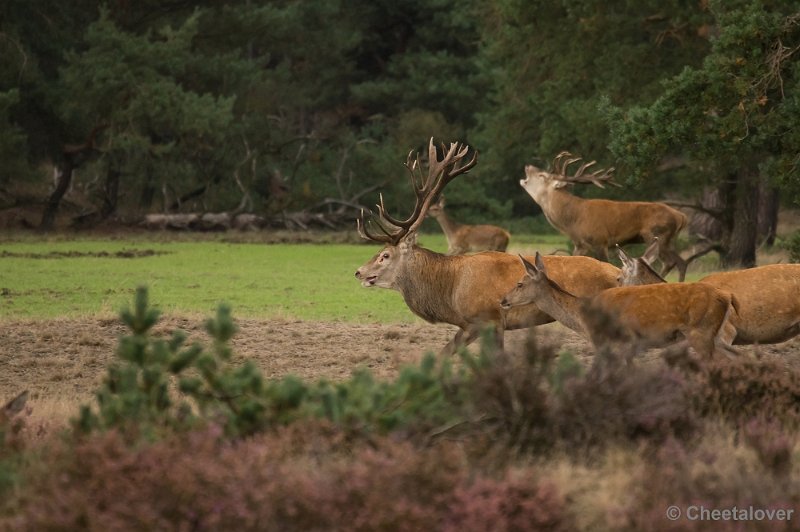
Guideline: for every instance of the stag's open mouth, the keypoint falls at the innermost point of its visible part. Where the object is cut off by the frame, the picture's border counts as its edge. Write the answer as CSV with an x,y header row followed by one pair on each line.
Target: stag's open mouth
x,y
369,281
504,305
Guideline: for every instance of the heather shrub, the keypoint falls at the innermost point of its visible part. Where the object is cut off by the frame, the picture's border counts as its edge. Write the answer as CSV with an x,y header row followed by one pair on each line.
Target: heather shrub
x,y
739,389
516,501
537,402
616,402
510,394
308,476
11,442
772,445
715,474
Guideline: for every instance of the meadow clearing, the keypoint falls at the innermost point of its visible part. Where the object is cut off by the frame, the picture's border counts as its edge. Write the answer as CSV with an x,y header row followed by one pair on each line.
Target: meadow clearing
x,y
298,306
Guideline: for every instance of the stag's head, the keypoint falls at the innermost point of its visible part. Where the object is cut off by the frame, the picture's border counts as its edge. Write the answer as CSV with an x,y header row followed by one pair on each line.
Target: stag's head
x,y
531,287
399,236
538,182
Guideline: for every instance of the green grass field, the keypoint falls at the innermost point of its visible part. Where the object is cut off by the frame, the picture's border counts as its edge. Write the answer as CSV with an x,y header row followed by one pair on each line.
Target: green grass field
x,y
303,281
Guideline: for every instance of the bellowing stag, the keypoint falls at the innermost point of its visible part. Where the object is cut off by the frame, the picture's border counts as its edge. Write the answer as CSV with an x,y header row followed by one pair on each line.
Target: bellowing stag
x,y
594,225
463,238
462,290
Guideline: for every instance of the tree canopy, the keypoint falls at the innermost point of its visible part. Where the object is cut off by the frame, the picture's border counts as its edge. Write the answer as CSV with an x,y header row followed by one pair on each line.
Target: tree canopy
x,y
268,105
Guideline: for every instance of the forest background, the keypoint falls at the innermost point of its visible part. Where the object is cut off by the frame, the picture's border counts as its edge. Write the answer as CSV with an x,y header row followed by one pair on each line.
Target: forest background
x,y
269,106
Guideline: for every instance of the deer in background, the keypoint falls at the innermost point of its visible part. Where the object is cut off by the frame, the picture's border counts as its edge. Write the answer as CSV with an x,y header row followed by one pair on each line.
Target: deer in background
x,y
462,290
650,315
463,238
768,297
594,225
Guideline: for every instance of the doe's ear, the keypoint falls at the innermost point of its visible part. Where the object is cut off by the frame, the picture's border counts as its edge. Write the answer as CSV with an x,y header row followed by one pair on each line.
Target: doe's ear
x,y
651,253
530,269
623,256
540,263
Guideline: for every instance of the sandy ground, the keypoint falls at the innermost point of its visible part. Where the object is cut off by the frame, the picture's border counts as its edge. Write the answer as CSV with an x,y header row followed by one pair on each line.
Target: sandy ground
x,y
67,358
64,360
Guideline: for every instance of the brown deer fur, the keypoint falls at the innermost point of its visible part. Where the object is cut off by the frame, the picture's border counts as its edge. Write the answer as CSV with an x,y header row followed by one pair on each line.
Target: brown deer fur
x,y
463,238
768,298
594,225
652,315
463,290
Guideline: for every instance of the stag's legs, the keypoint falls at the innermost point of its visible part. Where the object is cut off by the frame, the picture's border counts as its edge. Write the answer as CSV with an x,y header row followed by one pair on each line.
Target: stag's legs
x,y
464,337
669,257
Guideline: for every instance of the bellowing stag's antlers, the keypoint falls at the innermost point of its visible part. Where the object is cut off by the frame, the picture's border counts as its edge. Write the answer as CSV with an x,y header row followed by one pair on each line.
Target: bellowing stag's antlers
x,y
598,177
426,188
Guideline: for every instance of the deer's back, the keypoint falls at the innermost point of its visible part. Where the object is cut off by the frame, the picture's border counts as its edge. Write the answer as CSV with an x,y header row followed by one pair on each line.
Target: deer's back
x,y
608,222
663,309
768,299
482,238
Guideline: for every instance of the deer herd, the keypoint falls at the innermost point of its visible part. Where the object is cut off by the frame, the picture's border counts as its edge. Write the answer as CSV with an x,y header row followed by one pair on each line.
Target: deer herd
x,y
491,288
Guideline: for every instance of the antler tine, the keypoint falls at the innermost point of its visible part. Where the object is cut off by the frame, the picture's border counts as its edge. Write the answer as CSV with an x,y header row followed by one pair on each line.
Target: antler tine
x,y
385,238
598,177
440,173
560,166
426,189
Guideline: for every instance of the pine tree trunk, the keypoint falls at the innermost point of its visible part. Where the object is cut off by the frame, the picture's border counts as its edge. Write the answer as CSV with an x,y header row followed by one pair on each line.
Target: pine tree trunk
x,y
768,208
111,194
703,224
53,202
742,246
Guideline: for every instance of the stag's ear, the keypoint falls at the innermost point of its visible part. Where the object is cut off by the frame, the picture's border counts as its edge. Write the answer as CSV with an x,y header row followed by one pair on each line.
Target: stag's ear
x,y
560,184
408,242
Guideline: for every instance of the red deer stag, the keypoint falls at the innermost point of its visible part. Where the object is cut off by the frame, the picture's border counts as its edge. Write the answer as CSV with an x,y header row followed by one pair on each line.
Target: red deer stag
x,y
651,316
463,238
462,290
768,298
594,225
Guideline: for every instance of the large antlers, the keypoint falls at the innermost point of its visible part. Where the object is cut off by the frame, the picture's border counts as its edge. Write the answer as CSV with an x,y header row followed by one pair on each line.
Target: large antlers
x,y
598,177
426,188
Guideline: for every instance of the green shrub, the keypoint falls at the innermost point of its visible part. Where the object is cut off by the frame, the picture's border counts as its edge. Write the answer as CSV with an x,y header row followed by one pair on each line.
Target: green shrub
x,y
137,395
792,245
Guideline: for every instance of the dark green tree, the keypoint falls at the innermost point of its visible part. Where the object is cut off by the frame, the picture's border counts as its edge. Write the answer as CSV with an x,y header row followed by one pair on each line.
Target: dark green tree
x,y
731,120
554,63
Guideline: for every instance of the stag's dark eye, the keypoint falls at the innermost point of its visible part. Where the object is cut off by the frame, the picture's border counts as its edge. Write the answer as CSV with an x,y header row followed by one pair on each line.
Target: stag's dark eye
x,y
385,255
519,284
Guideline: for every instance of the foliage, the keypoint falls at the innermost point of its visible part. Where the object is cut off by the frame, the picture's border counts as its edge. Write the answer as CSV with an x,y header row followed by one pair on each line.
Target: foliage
x,y
137,395
299,478
792,245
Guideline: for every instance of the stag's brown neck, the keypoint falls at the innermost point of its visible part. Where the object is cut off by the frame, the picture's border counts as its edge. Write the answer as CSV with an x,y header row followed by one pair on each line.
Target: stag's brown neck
x,y
562,306
561,209
427,283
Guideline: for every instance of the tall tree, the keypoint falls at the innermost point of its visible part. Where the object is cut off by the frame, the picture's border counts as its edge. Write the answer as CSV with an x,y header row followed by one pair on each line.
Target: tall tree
x,y
554,63
732,118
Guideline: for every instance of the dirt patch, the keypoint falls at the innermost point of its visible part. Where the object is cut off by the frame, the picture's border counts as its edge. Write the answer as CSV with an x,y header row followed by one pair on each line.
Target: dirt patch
x,y
122,254
66,358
